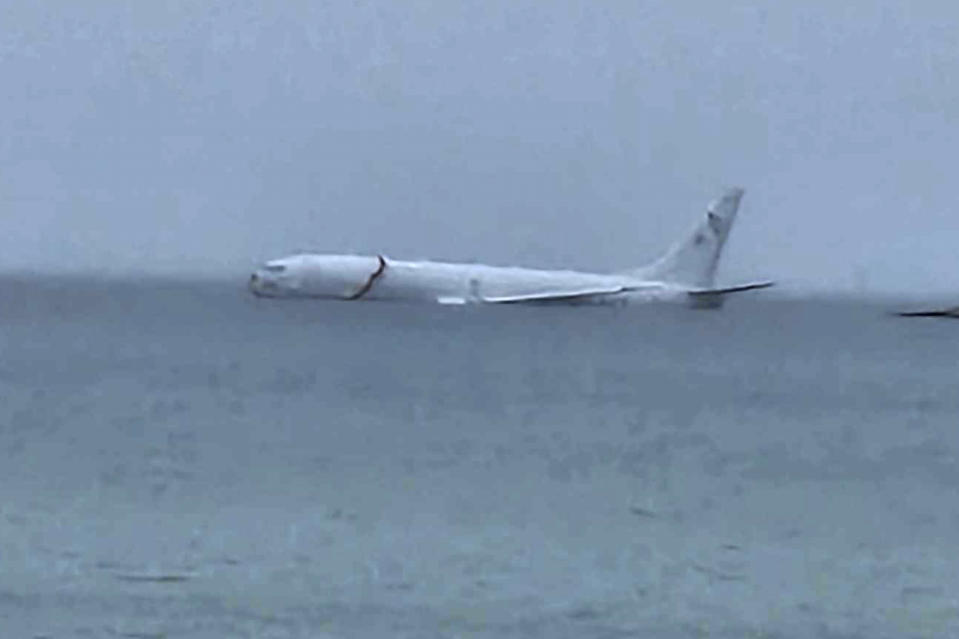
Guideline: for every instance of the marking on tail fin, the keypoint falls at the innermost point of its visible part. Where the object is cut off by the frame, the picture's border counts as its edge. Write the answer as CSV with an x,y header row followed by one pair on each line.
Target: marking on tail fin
x,y
715,223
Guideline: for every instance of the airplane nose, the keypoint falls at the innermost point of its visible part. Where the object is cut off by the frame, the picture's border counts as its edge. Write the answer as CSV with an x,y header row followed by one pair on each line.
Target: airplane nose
x,y
263,284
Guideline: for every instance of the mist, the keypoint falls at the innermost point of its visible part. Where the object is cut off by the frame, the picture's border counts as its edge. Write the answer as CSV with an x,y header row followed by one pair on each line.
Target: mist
x,y
202,138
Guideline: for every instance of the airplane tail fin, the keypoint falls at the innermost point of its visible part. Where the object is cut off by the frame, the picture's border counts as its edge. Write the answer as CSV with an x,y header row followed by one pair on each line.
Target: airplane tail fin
x,y
693,261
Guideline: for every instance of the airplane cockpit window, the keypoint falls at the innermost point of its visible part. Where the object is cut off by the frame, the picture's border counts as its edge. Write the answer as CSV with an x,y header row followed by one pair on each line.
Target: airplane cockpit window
x,y
274,268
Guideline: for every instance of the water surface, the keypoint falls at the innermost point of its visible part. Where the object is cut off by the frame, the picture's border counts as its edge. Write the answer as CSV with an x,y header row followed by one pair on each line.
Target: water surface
x,y
184,460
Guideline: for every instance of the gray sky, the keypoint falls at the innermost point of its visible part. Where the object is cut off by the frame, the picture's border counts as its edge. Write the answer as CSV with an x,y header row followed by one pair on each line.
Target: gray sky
x,y
206,136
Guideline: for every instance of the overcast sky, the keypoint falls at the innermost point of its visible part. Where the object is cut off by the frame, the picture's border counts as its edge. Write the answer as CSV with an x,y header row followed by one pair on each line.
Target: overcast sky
x,y
206,136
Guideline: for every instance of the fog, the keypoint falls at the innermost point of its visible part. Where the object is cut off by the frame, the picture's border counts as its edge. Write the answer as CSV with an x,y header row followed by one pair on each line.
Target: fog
x,y
203,137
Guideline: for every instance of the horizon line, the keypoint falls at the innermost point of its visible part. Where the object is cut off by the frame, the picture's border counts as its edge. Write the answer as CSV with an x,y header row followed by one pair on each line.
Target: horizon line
x,y
783,290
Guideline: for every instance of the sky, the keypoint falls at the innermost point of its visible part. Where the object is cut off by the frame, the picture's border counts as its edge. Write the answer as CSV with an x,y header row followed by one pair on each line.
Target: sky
x,y
203,137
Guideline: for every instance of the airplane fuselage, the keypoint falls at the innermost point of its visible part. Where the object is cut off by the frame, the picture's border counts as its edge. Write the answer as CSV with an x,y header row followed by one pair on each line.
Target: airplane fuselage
x,y
363,277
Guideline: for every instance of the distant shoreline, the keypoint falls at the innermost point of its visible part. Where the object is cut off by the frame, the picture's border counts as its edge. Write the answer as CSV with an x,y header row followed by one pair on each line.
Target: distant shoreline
x,y
783,292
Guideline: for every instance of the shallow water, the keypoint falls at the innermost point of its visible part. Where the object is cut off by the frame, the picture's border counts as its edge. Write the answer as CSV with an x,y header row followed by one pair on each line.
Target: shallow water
x,y
184,460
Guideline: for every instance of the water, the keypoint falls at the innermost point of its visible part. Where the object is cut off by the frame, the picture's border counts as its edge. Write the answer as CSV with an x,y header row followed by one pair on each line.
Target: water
x,y
183,460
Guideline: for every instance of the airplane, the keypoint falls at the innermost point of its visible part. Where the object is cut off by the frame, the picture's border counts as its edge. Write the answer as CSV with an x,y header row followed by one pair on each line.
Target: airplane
x,y
685,274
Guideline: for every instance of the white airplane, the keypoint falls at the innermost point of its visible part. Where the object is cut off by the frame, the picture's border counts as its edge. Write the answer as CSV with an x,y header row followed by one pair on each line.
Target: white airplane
x,y
685,274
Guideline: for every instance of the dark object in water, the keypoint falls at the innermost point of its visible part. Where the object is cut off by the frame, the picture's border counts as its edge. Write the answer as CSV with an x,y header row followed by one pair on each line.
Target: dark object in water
x,y
948,312
163,578
642,512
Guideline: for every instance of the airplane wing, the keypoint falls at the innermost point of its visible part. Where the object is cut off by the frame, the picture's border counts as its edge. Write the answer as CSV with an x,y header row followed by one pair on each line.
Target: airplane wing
x,y
558,296
752,286
544,297
587,294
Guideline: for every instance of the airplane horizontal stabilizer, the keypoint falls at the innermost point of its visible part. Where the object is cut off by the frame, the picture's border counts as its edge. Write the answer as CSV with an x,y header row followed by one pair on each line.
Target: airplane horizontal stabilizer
x,y
705,292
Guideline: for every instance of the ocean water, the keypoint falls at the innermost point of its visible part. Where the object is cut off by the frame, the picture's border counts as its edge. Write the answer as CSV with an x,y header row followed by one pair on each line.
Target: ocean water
x,y
184,460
